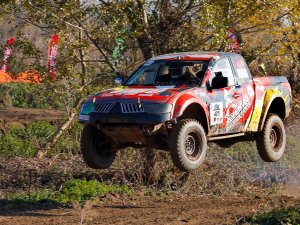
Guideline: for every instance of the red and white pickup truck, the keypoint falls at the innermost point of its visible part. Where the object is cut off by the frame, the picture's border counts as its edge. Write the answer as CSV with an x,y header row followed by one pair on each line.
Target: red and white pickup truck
x,y
178,102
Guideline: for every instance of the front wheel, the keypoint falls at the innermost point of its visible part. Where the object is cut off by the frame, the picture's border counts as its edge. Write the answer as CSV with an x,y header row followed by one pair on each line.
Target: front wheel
x,y
271,140
188,144
97,152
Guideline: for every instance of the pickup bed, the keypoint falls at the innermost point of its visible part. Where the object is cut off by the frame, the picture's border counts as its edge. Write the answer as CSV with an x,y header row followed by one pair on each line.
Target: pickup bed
x,y
178,102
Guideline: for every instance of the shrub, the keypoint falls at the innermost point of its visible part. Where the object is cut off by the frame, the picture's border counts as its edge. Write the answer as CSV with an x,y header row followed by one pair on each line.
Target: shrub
x,y
278,216
69,142
75,190
24,142
27,95
11,145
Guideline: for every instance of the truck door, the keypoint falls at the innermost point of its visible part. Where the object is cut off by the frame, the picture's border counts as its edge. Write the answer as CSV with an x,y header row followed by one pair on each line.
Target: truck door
x,y
225,99
244,80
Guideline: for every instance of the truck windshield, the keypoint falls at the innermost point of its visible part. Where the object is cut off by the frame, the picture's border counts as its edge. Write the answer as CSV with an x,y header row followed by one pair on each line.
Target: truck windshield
x,y
160,73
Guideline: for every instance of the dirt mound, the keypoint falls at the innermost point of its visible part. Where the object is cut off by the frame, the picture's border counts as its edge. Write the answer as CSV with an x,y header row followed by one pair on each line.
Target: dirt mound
x,y
19,116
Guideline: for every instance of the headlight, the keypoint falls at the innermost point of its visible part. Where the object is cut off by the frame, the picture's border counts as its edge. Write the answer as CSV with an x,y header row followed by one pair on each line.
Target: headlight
x,y
87,108
155,108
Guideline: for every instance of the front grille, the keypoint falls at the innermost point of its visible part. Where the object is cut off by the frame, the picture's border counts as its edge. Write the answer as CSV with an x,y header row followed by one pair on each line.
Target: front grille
x,y
104,107
132,107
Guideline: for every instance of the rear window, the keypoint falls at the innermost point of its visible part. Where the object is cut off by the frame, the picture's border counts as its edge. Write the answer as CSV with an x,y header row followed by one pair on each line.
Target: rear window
x,y
241,68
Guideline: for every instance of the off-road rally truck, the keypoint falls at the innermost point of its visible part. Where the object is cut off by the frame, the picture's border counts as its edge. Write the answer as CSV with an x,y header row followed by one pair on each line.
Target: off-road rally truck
x,y
178,102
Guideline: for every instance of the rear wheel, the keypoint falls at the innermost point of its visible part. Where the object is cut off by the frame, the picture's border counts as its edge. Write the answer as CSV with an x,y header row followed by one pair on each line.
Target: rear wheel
x,y
271,140
97,151
188,144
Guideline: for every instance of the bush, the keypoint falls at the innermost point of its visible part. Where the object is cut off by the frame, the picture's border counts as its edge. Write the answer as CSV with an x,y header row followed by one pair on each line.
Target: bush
x,y
24,142
11,145
278,216
75,190
69,141
81,190
27,95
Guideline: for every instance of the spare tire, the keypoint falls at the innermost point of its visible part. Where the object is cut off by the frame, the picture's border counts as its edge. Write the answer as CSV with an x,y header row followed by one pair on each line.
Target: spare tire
x,y
97,151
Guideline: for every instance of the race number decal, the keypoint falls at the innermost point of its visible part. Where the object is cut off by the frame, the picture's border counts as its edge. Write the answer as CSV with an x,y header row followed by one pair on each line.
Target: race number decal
x,y
216,113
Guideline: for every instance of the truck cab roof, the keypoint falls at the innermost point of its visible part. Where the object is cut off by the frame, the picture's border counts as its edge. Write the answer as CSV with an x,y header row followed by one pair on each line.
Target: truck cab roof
x,y
201,55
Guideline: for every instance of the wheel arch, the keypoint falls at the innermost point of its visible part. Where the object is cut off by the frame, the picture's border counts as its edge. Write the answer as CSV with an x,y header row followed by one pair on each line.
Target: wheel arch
x,y
275,105
194,110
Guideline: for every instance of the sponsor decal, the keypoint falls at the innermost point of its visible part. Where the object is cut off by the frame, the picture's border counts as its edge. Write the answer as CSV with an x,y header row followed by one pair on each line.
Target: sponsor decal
x,y
238,112
216,113
139,91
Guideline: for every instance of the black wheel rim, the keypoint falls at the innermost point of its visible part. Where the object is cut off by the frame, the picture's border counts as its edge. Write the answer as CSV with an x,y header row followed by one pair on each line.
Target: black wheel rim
x,y
192,146
276,137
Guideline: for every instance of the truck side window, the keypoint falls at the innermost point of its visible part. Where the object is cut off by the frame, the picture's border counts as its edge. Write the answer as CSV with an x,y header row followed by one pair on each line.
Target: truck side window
x,y
242,71
223,65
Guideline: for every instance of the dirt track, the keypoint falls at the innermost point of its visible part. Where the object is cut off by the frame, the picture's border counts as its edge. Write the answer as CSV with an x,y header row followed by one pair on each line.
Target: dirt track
x,y
145,210
28,115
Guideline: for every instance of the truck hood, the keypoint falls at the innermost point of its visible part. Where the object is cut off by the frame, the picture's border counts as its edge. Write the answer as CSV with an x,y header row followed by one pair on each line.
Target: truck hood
x,y
159,94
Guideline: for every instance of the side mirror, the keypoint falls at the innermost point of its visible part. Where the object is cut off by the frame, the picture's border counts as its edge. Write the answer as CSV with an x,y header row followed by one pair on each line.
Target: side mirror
x,y
219,82
118,81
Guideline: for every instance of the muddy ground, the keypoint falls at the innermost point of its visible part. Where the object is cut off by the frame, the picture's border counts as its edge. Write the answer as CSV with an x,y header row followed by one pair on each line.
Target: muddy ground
x,y
138,208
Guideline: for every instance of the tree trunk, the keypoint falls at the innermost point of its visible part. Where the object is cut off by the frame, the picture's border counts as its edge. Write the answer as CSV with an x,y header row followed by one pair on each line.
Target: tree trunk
x,y
42,153
151,170
60,130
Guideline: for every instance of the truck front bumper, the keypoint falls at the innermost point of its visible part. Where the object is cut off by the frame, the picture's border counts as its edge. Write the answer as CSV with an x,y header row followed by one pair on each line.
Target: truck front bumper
x,y
119,118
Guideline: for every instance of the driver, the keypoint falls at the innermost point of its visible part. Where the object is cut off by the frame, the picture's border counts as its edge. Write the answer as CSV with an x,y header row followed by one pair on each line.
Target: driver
x,y
178,74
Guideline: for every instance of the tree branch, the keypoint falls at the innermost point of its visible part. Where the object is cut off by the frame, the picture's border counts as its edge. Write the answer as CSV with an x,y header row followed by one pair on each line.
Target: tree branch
x,y
89,36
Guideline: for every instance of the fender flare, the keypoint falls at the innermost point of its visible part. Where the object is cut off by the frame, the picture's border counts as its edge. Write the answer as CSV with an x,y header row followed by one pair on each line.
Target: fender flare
x,y
270,96
186,103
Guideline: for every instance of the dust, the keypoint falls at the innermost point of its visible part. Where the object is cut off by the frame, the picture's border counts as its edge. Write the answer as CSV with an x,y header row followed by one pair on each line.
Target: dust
x,y
292,185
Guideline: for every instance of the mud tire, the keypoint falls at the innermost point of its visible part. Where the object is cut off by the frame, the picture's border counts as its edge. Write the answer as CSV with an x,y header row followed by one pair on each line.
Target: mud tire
x,y
97,152
271,140
188,144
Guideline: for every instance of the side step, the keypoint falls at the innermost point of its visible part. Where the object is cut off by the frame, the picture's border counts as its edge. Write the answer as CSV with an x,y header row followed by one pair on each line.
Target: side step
x,y
225,136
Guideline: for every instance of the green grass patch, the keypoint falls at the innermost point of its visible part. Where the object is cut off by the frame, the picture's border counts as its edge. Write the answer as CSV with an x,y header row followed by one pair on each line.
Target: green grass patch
x,y
69,142
289,216
75,190
82,190
25,141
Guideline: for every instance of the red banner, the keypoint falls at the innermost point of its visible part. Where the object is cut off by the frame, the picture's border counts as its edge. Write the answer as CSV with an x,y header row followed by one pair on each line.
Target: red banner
x,y
7,53
52,57
232,41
